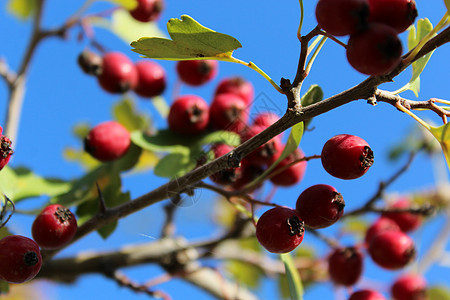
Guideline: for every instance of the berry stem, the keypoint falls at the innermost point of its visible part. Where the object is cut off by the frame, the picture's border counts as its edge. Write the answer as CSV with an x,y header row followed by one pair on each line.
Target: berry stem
x,y
254,67
299,35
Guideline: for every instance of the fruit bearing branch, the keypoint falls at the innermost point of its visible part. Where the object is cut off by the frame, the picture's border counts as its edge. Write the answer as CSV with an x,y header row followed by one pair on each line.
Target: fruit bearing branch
x,y
365,90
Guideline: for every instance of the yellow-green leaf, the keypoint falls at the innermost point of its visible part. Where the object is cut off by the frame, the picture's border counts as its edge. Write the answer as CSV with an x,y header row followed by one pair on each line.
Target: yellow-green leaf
x,y
293,276
127,4
442,134
22,9
447,4
190,40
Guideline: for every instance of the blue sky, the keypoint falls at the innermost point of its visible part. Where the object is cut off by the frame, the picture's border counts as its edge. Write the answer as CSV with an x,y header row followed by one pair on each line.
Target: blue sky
x,y
59,96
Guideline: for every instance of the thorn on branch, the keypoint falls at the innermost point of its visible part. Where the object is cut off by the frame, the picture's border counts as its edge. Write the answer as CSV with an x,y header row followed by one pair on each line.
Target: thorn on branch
x,y
102,203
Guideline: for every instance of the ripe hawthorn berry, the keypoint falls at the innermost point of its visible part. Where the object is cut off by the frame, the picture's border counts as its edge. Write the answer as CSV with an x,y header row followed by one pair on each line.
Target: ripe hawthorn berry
x,y
288,176
236,85
188,114
280,230
375,50
147,10
320,206
366,295
405,220
20,259
249,172
342,17
265,153
151,79
228,112
409,287
227,176
398,14
392,249
118,74
54,227
196,72
265,119
380,225
345,266
107,141
346,156
5,149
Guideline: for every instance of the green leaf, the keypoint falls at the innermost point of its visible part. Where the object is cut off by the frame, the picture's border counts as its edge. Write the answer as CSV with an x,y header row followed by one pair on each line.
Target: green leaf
x,y
129,29
22,9
438,293
218,137
127,4
22,183
424,27
355,226
313,95
244,273
190,40
126,114
162,141
294,280
442,134
107,230
174,165
161,106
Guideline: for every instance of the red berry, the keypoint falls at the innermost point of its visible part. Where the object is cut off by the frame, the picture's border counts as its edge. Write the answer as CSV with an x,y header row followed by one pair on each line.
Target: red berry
x,y
20,259
265,153
237,85
249,172
409,287
226,176
188,114
320,206
266,119
398,14
54,227
405,220
380,225
197,72
345,266
392,249
375,50
346,156
366,295
107,141
147,10
228,112
151,79
290,175
5,149
118,73
280,230
342,17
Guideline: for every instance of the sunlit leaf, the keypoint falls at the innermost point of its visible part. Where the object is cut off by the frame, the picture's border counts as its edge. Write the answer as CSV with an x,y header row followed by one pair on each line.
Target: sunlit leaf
x,y
354,226
447,4
127,4
125,113
174,164
424,26
438,293
190,40
442,134
313,95
129,29
22,9
21,183
293,277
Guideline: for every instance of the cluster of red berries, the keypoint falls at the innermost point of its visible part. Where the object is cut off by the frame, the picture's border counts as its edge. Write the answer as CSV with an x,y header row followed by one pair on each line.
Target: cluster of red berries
x,y
373,25
117,74
343,156
20,256
5,149
390,247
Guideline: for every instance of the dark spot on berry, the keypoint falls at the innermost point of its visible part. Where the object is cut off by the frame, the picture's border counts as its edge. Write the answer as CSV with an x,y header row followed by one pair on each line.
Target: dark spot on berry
x,y
296,226
30,258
